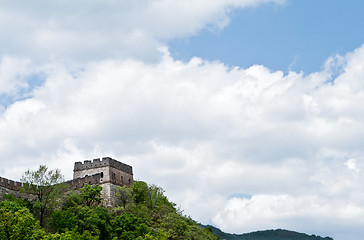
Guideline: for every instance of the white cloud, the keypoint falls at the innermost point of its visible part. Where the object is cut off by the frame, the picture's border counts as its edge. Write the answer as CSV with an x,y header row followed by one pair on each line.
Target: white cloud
x,y
209,132
351,165
285,211
203,131
84,30
12,74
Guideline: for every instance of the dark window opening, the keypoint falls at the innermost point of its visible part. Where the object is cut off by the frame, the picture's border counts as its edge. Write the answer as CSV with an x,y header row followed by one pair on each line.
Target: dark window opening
x,y
102,174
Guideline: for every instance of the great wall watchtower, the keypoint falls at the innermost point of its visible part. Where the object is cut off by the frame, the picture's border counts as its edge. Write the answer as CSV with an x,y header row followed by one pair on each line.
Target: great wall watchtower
x,y
106,172
111,172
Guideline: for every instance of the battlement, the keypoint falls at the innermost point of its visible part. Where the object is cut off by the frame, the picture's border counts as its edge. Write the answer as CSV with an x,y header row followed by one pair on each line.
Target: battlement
x,y
77,183
102,162
10,184
107,172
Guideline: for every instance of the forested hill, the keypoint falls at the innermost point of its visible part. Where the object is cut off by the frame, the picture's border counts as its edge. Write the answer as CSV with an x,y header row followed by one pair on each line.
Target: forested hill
x,y
144,213
278,234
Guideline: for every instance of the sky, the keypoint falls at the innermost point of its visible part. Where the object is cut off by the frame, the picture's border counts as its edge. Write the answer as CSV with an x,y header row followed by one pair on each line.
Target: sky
x,y
248,113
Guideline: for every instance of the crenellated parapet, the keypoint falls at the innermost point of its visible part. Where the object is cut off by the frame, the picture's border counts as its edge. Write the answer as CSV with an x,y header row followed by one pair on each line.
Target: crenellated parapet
x,y
77,183
107,172
10,184
103,162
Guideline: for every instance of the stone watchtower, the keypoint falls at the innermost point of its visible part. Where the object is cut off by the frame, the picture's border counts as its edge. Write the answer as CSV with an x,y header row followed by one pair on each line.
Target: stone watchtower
x,y
112,174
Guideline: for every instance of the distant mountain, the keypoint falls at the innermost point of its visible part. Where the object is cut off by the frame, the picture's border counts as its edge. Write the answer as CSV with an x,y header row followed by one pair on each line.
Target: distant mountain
x,y
278,234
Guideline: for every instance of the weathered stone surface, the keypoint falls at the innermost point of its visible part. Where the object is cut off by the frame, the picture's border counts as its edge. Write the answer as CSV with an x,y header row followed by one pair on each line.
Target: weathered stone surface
x,y
107,172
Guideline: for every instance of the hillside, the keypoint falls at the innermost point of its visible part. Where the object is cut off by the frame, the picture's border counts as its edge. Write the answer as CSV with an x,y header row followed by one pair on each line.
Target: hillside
x,y
143,213
278,234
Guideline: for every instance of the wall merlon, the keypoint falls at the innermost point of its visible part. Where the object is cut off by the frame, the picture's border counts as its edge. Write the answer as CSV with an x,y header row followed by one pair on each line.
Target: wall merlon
x,y
107,172
80,182
105,161
10,184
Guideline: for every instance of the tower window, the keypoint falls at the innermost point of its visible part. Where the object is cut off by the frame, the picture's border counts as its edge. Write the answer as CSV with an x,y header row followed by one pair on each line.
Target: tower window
x,y
102,174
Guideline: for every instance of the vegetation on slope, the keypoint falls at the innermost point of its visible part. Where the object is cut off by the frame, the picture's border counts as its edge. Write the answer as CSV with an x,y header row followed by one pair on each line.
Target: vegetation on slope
x,y
144,213
147,215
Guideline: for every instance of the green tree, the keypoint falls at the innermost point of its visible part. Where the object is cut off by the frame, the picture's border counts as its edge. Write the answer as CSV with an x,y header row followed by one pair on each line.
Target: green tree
x,y
46,185
154,196
128,227
82,216
91,195
16,222
124,195
93,220
71,235
139,192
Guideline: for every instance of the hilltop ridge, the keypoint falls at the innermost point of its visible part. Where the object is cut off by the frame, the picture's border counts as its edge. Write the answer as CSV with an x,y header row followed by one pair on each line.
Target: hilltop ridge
x,y
277,234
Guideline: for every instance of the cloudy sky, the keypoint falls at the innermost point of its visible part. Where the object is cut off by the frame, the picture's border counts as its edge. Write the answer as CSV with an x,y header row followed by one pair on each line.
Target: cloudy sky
x,y
248,113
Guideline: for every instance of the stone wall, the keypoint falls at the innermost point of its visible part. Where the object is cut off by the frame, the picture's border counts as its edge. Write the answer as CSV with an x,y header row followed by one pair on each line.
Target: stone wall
x,y
112,171
12,187
10,184
106,161
77,183
106,172
4,191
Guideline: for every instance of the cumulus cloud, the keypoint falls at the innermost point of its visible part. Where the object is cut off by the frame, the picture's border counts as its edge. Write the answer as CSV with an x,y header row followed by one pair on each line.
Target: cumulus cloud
x,y
297,213
244,149
13,72
288,143
84,30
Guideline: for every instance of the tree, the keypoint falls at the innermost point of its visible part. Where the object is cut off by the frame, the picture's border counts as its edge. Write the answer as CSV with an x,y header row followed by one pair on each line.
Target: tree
x,y
139,192
16,222
154,196
46,186
91,195
93,220
128,227
124,195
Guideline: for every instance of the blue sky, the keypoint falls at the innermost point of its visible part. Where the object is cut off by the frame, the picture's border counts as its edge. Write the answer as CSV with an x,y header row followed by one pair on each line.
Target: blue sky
x,y
297,36
248,113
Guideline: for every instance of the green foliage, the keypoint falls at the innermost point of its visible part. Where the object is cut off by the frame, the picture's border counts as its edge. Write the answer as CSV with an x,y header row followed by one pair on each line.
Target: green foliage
x,y
154,196
146,214
71,235
123,195
16,222
47,186
128,227
91,195
139,191
150,207
81,219
71,200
